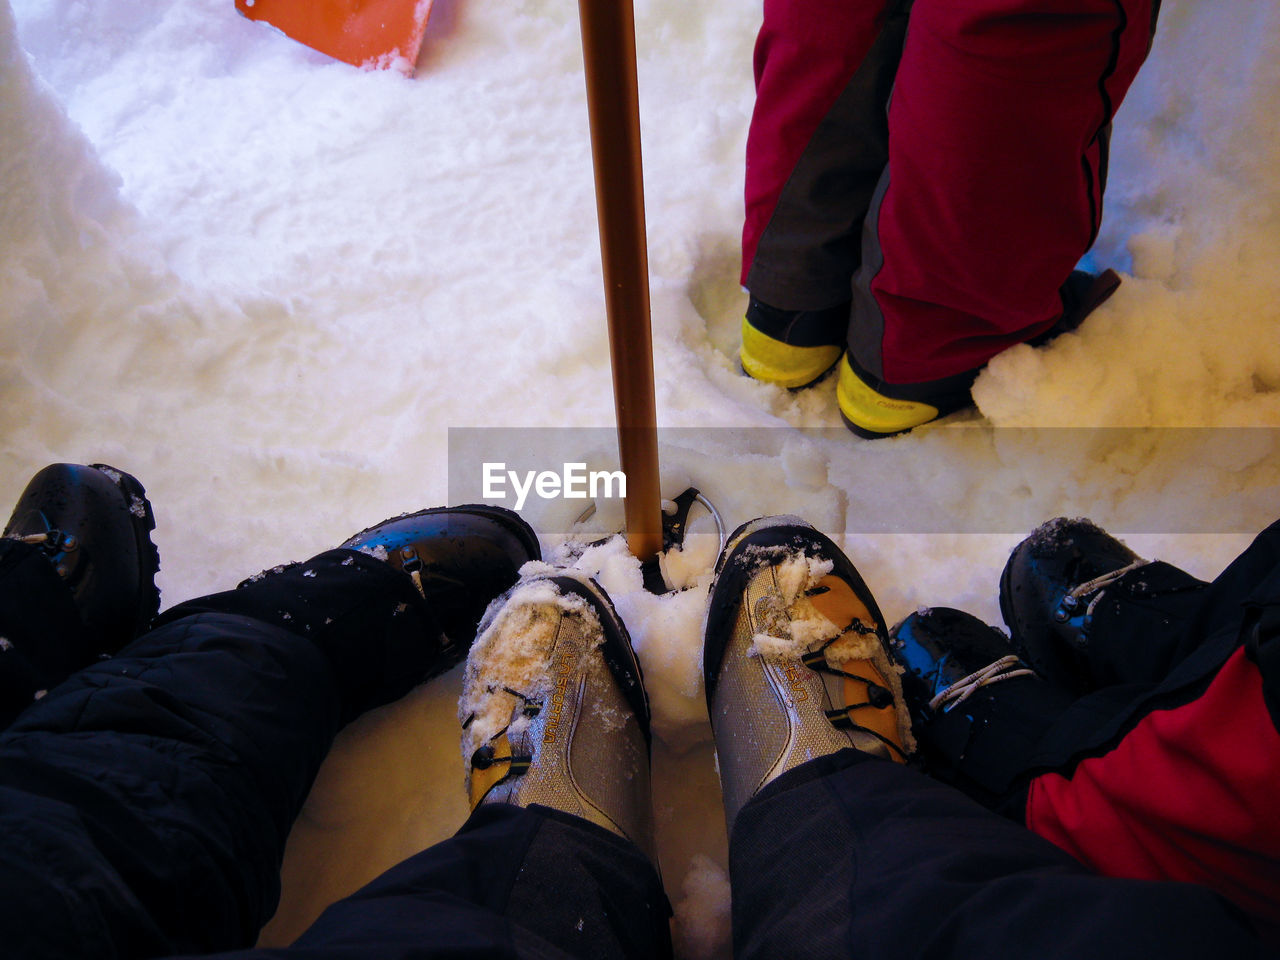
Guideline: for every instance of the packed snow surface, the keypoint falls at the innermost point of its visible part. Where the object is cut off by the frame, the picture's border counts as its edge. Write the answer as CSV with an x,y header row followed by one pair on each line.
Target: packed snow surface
x,y
268,284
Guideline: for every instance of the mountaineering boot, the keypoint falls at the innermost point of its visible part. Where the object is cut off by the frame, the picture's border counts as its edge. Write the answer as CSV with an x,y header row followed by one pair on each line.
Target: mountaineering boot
x,y
1050,589
78,570
977,710
396,604
459,558
1087,612
554,710
873,408
794,659
792,348
93,525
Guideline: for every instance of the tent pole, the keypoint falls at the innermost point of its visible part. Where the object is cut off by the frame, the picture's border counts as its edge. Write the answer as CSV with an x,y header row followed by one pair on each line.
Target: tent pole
x,y
609,55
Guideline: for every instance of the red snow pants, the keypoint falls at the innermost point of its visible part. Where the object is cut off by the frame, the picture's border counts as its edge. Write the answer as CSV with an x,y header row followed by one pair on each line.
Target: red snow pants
x,y
1189,794
941,163
1173,764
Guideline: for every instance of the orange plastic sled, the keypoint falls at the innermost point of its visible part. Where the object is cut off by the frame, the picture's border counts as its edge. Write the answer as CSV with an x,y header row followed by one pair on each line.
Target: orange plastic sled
x,y
375,34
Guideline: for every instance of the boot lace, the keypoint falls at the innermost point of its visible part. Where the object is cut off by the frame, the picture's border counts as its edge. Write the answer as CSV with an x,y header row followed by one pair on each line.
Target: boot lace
x,y
878,696
485,756
1006,668
1076,594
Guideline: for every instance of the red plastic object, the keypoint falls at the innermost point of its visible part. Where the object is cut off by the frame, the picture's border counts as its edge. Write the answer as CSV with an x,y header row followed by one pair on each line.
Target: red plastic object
x,y
373,34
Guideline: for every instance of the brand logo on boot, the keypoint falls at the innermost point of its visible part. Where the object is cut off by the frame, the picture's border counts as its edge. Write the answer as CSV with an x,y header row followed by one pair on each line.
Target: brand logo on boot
x,y
563,673
795,680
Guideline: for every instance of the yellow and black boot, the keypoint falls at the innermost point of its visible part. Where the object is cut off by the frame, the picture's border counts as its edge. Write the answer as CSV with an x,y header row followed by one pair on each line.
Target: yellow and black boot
x,y
792,348
872,408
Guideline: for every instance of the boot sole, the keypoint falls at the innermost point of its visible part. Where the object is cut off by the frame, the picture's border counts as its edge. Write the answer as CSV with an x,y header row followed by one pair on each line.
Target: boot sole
x,y
143,519
1006,602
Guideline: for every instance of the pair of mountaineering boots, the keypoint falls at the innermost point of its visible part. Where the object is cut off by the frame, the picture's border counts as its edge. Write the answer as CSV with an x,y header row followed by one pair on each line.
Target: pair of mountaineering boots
x,y
795,661
981,701
795,348
80,566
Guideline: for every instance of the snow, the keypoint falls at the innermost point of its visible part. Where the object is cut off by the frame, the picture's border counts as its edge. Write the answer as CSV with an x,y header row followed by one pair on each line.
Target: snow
x,y
510,661
268,284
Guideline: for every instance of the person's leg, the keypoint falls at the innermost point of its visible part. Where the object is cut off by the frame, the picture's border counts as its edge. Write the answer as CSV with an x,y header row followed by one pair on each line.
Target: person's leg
x,y
1143,744
513,882
146,801
836,852
815,150
557,858
883,862
1171,771
998,128
1188,793
816,145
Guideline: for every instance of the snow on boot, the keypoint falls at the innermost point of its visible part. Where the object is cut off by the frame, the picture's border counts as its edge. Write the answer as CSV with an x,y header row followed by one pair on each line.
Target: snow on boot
x,y
93,524
554,710
1049,590
794,659
977,709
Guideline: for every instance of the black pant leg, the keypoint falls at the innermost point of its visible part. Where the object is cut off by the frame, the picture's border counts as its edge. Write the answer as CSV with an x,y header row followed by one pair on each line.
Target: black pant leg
x,y
513,882
1154,618
42,638
852,856
145,803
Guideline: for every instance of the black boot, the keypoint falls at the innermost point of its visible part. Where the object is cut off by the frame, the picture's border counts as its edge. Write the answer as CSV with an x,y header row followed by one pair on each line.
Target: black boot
x,y
1051,589
396,604
977,710
94,526
459,558
77,577
1087,612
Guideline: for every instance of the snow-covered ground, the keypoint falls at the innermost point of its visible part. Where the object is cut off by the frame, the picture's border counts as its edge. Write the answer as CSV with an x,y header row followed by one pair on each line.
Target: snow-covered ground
x,y
268,284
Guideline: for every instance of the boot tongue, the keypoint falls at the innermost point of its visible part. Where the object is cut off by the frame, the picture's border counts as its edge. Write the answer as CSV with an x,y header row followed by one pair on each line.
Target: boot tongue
x,y
859,654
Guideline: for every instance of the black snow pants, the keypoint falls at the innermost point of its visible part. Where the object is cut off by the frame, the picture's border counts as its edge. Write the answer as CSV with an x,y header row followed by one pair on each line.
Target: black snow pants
x,y
145,802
